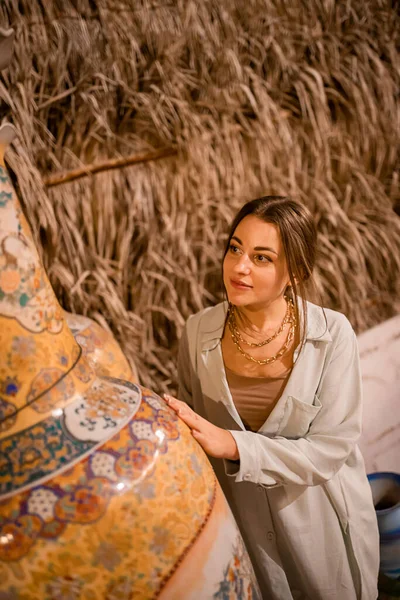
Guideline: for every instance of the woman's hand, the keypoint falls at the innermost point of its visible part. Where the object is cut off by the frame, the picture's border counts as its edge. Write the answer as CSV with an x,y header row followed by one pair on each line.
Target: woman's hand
x,y
215,441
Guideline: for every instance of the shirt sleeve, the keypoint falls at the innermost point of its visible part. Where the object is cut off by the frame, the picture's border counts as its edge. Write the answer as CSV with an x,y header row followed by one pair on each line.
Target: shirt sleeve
x,y
316,457
184,368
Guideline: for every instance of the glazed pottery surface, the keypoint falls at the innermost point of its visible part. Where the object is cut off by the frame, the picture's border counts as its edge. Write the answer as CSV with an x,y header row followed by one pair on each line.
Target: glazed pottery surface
x,y
139,516
386,495
100,348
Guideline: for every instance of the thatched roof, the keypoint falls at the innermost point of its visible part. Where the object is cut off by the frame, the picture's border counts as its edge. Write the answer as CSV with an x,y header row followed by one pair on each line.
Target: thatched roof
x,y
255,97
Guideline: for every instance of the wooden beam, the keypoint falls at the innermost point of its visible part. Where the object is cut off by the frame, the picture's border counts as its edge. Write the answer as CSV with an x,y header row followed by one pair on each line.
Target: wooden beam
x,y
107,165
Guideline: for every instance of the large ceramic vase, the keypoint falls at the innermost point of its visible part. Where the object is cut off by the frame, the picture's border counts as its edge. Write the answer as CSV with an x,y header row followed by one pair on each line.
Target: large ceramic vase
x,y
100,348
104,494
386,495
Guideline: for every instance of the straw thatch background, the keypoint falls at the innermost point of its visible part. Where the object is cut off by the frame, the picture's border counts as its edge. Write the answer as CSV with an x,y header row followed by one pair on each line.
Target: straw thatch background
x,y
255,97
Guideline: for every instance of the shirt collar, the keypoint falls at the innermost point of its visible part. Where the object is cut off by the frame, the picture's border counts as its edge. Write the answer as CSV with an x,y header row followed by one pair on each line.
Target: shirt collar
x,y
212,330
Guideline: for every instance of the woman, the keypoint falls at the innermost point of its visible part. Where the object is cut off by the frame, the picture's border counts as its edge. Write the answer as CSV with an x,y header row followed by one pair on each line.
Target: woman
x,y
270,386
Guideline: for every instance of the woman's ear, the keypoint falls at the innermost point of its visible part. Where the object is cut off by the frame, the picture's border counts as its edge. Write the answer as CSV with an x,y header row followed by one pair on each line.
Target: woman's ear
x,y
288,291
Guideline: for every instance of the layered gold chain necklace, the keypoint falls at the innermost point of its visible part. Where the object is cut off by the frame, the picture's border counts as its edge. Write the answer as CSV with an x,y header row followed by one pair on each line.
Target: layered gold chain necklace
x,y
289,318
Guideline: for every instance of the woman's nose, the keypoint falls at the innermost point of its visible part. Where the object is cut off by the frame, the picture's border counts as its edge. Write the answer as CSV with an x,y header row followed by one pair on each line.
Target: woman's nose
x,y
243,265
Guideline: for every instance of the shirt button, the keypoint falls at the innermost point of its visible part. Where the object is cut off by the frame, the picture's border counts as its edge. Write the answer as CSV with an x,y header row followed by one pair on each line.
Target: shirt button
x,y
260,488
270,535
247,476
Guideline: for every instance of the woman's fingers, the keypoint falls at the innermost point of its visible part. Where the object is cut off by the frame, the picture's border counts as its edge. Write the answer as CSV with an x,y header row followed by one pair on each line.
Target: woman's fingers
x,y
199,436
183,410
214,440
170,400
174,403
189,417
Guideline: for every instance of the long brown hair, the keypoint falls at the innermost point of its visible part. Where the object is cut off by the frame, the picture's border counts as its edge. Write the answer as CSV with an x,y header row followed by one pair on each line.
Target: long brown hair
x,y
299,240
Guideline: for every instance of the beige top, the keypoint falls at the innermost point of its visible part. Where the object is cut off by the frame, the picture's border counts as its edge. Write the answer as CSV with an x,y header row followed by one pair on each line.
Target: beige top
x,y
255,397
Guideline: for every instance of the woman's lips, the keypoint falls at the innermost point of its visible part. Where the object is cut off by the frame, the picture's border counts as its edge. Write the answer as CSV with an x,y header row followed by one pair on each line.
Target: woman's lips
x,y
239,285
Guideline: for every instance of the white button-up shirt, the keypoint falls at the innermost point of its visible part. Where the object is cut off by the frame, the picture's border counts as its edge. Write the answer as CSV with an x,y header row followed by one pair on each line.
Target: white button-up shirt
x,y
312,531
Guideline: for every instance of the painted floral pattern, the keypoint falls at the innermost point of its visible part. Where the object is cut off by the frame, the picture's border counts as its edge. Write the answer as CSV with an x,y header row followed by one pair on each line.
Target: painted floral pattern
x,y
5,197
137,496
60,389
23,376
65,588
50,445
238,581
7,414
33,363
25,354
35,452
9,386
25,293
105,406
100,347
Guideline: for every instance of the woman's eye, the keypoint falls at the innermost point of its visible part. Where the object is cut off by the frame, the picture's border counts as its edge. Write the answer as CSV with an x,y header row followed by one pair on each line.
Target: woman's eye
x,y
233,249
262,258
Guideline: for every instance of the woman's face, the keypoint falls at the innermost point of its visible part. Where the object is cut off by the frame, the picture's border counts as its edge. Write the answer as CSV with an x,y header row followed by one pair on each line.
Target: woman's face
x,y
255,269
